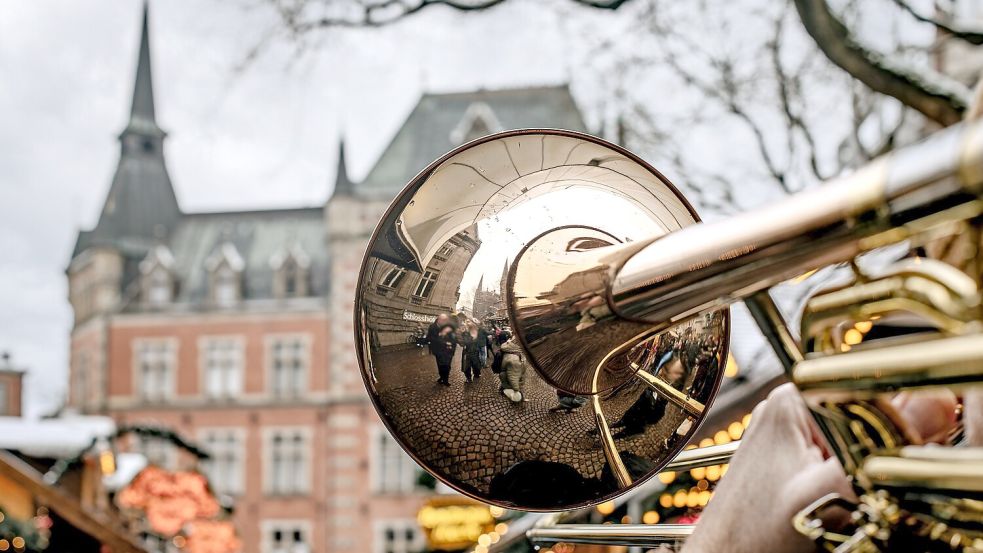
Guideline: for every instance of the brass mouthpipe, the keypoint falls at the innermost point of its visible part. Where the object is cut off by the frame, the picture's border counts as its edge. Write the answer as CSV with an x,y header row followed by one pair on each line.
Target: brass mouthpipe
x,y
706,266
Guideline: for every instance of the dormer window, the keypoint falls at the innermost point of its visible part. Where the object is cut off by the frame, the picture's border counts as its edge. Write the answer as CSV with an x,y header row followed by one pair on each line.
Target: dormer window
x,y
159,288
291,269
225,286
157,277
225,268
479,120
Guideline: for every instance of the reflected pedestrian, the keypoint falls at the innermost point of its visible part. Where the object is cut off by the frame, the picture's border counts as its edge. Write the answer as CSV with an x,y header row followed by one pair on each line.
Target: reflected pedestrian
x,y
513,375
442,343
475,343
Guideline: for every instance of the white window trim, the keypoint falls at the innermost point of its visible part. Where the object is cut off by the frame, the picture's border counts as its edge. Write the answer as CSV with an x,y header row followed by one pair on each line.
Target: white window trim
x,y
267,526
268,341
203,342
268,433
377,433
380,526
240,434
135,346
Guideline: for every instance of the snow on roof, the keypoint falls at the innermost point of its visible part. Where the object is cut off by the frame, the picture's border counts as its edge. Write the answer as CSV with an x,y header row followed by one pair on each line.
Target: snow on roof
x,y
53,438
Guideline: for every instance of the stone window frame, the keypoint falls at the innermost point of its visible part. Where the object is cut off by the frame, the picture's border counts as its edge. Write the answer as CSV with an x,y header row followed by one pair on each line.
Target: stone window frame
x,y
239,344
291,260
427,291
413,538
271,484
287,527
387,456
225,268
156,275
138,346
237,446
302,381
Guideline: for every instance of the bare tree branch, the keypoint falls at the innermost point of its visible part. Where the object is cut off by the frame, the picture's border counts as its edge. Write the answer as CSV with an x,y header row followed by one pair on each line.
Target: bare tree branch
x,y
971,36
379,13
931,99
784,82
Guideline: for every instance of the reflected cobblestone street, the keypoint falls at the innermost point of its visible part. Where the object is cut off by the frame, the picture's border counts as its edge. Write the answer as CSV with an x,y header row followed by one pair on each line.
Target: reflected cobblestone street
x,y
473,432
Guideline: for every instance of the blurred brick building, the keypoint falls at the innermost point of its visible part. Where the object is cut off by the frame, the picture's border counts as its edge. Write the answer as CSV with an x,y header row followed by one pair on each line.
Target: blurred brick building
x,y
235,328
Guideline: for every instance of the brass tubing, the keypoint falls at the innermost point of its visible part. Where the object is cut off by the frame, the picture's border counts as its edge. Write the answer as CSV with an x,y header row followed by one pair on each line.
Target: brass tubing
x,y
626,535
899,472
861,374
703,457
706,266
772,324
689,405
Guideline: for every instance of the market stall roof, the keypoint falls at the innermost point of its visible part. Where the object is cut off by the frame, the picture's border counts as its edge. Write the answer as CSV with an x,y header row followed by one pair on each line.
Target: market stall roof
x,y
53,438
67,507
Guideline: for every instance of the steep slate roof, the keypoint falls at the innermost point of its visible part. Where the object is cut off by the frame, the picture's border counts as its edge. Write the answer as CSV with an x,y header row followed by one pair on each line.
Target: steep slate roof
x,y
141,204
426,134
258,237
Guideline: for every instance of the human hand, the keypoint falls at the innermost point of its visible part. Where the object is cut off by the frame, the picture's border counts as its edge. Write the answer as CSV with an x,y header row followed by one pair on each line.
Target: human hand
x,y
783,465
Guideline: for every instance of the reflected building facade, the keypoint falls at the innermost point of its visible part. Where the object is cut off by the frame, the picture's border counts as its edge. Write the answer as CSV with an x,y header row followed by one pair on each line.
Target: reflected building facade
x,y
403,302
235,330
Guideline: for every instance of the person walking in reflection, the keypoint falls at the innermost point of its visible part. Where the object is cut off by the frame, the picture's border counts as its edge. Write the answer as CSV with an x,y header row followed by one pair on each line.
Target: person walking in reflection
x,y
440,338
513,374
650,407
475,343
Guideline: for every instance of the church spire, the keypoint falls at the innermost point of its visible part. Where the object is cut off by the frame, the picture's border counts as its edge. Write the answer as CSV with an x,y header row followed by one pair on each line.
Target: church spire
x,y
143,117
343,186
141,207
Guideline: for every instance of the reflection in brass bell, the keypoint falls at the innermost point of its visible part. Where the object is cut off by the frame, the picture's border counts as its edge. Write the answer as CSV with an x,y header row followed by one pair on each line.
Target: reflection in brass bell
x,y
486,333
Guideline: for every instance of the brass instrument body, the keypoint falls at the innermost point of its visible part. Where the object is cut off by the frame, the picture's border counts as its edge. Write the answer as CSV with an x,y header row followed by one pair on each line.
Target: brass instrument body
x,y
616,295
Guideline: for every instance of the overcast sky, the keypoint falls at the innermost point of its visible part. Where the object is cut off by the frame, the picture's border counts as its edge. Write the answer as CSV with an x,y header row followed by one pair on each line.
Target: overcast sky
x,y
264,137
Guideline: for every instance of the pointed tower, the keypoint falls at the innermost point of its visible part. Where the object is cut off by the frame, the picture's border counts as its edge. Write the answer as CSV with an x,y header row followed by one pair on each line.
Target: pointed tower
x,y
141,207
343,186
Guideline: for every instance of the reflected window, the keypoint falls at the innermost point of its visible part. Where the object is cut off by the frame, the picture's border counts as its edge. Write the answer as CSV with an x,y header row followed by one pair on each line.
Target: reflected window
x,y
425,286
444,252
393,277
223,359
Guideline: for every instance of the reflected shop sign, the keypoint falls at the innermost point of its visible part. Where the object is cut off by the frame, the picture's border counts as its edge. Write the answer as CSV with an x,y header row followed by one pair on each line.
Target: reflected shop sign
x,y
454,522
418,317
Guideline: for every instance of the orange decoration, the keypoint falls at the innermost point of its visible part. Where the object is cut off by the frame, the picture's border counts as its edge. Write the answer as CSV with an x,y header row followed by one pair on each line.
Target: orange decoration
x,y
212,536
169,499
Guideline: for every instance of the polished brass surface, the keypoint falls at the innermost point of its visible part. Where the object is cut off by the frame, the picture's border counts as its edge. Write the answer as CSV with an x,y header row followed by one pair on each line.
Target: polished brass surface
x,y
626,535
704,267
510,231
953,362
939,294
619,338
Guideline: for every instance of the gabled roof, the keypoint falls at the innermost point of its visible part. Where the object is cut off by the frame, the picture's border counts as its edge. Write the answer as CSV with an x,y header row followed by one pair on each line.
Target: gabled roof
x,y
257,238
429,131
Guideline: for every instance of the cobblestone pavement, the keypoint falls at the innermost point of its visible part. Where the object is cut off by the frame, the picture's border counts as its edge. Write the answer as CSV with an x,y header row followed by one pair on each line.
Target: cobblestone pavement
x,y
470,432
